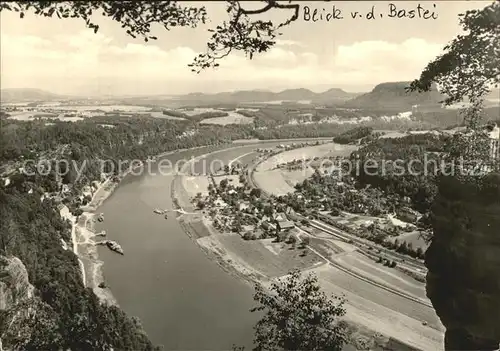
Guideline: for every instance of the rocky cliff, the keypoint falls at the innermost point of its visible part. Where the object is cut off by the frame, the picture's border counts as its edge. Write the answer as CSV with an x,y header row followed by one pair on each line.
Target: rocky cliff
x,y
463,280
14,283
14,289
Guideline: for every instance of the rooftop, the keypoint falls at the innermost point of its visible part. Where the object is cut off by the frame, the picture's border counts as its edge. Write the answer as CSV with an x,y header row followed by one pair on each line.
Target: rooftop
x,y
286,224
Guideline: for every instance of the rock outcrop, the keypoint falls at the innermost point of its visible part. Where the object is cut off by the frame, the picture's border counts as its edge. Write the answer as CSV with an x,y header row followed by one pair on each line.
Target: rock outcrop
x,y
14,282
463,281
14,289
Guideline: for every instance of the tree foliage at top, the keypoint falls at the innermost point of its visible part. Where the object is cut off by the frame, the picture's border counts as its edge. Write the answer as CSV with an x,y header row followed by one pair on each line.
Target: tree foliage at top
x,y
240,32
298,316
470,65
468,69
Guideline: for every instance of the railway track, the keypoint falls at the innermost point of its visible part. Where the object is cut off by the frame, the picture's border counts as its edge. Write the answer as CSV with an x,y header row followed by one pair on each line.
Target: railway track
x,y
371,281
346,237
408,261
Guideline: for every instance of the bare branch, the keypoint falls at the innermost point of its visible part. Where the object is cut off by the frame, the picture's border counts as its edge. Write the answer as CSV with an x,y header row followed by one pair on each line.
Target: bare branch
x,y
243,34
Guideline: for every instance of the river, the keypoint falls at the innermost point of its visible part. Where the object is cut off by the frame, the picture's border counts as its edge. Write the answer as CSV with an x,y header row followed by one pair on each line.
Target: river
x,y
184,300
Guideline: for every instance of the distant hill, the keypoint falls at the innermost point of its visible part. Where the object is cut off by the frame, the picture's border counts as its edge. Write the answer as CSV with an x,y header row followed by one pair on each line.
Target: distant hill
x,y
336,93
333,96
26,94
393,97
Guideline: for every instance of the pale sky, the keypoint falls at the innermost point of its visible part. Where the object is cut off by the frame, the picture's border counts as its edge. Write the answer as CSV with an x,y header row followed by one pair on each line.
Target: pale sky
x,y
63,56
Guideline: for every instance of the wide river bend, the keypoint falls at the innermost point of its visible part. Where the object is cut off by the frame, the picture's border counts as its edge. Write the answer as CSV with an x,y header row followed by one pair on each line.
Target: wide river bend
x,y
184,300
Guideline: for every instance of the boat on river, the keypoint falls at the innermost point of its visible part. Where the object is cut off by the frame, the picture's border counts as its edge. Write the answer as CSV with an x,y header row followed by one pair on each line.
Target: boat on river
x,y
112,245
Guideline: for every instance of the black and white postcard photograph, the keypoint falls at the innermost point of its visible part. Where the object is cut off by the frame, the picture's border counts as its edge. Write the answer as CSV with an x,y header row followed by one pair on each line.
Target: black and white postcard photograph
x,y
272,175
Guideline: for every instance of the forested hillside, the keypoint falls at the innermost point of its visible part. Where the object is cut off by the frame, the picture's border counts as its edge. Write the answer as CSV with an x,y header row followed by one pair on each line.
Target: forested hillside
x,y
407,166
31,227
72,316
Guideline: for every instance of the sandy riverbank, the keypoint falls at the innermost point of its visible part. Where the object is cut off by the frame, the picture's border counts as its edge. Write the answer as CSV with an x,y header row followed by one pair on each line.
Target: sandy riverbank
x,y
199,229
85,239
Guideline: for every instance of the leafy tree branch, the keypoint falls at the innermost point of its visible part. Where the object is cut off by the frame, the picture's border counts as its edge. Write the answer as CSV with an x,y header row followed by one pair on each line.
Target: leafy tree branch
x,y
470,65
298,316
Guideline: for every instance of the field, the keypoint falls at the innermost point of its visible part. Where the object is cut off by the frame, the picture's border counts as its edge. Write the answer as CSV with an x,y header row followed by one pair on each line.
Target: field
x,y
393,134
194,228
282,181
263,256
396,134
349,257
104,108
384,275
354,221
308,152
383,312
195,185
196,110
27,116
233,118
79,112
379,296
296,176
272,182
157,114
325,248
367,304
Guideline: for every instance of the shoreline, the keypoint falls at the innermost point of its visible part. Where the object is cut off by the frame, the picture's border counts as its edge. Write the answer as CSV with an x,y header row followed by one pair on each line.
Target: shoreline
x,y
214,252
85,240
83,233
